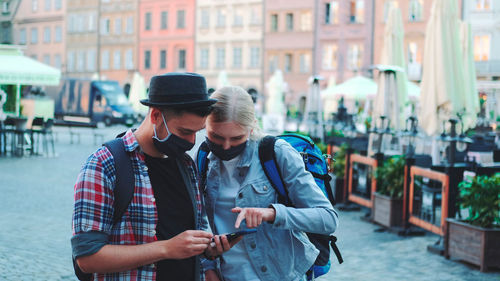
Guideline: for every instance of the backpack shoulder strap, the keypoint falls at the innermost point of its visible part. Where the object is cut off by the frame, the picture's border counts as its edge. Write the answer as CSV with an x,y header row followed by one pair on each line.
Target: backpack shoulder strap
x,y
267,157
125,181
202,163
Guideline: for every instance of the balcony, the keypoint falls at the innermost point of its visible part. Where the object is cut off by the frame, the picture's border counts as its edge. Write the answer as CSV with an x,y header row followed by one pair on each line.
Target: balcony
x,y
488,68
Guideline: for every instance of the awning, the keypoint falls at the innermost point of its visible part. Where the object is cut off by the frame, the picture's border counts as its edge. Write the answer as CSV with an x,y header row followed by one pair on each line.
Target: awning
x,y
16,69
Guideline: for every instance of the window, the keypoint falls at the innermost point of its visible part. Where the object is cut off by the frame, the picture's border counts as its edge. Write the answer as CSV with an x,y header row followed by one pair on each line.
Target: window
x,y
305,63
147,59
22,36
220,61
274,22
147,21
182,59
34,5
58,6
330,56
255,13
221,17
105,60
34,35
91,60
238,18
288,62
355,57
46,34
5,7
92,21
58,34
104,26
306,21
482,44
254,57
415,12
117,60
237,57
483,5
273,63
204,53
181,21
57,61
71,61
205,19
118,26
129,59
332,12
48,4
130,25
46,59
80,61
80,23
357,11
289,22
163,59
164,20
412,52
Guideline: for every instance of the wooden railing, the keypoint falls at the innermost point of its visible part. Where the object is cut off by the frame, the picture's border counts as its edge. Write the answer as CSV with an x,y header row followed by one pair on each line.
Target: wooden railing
x,y
356,158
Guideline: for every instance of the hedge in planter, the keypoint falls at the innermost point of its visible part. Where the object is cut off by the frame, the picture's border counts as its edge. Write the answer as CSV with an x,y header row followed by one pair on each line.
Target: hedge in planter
x,y
388,200
477,238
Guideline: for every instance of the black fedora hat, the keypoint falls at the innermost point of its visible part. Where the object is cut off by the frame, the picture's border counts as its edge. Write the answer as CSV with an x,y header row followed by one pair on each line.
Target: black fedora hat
x,y
178,90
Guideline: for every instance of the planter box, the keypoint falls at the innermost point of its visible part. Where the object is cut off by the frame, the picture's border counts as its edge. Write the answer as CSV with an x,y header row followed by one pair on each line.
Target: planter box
x,y
473,244
387,211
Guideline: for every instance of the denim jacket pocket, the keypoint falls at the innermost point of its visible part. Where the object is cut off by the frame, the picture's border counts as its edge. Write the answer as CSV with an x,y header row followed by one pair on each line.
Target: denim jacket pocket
x,y
263,194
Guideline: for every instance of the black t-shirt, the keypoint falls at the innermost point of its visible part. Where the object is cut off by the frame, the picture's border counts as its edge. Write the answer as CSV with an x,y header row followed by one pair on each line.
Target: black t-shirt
x,y
175,214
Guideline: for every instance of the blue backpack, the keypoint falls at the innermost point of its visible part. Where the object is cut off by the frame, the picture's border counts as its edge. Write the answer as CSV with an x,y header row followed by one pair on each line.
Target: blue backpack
x,y
315,163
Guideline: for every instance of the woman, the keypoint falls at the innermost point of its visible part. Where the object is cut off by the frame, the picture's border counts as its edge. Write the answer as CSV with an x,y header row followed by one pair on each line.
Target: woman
x,y
239,196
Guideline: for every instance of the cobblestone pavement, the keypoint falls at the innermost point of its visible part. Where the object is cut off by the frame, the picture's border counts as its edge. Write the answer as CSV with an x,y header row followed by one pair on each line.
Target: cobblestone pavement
x,y
35,226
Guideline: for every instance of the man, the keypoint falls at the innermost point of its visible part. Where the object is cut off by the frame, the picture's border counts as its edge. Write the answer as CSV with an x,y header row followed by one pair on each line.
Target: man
x,y
164,228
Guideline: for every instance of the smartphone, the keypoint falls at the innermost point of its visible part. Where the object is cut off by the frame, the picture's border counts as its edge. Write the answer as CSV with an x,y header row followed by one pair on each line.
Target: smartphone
x,y
231,236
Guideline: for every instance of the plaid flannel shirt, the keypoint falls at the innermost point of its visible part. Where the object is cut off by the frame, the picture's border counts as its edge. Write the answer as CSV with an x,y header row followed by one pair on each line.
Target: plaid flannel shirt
x,y
93,209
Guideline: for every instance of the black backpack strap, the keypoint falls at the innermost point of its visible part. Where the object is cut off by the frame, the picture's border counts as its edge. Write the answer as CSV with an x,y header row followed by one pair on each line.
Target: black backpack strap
x,y
267,157
333,240
202,163
125,180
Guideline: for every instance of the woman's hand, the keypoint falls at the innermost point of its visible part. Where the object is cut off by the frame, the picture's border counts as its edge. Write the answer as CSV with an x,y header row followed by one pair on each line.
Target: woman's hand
x,y
219,245
254,216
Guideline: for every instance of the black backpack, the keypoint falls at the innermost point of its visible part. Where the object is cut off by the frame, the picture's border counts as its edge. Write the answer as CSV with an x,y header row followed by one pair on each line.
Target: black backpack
x,y
315,164
123,192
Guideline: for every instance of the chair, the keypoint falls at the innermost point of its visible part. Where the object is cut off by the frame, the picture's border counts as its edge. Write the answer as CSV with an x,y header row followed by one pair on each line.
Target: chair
x,y
48,136
35,132
15,129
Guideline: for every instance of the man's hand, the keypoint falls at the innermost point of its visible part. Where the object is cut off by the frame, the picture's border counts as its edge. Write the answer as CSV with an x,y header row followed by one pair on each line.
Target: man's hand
x,y
187,244
210,275
254,216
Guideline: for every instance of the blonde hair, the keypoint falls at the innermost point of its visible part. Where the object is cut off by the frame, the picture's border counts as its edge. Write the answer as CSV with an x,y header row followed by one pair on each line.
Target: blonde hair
x,y
235,105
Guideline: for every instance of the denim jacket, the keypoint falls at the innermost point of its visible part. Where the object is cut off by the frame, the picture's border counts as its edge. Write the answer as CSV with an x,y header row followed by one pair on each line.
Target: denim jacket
x,y
279,250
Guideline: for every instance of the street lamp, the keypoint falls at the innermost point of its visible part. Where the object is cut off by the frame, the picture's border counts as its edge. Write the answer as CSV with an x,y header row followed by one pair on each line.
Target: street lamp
x,y
409,136
450,143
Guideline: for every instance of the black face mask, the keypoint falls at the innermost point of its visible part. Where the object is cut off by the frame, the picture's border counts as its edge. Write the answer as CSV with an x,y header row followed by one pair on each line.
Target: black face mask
x,y
226,154
172,145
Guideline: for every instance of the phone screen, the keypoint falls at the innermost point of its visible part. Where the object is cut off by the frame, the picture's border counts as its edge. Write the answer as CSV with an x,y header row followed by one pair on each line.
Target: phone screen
x,y
234,235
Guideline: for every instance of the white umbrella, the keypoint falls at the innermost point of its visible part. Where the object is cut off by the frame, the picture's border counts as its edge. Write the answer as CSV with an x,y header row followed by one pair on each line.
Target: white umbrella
x,y
137,93
443,88
392,92
276,87
222,80
471,95
330,100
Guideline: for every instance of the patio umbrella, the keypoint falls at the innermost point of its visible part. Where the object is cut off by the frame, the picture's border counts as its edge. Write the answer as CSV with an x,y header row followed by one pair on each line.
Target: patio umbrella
x,y
330,100
222,80
392,92
443,87
356,88
471,95
276,87
137,93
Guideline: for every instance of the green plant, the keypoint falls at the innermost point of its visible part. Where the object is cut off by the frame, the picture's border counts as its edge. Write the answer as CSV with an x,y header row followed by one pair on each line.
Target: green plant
x,y
390,177
481,196
339,164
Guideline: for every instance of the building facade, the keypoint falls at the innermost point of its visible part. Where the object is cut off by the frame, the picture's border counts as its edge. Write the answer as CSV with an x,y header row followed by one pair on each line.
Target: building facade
x,y
166,37
229,38
118,40
289,45
484,17
40,26
82,39
345,38
7,13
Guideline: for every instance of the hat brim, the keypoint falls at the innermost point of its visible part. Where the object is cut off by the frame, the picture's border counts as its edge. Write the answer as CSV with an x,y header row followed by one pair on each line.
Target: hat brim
x,y
190,104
